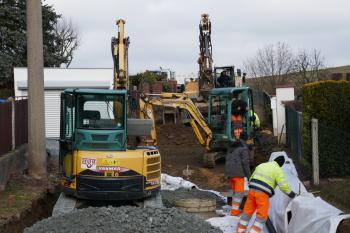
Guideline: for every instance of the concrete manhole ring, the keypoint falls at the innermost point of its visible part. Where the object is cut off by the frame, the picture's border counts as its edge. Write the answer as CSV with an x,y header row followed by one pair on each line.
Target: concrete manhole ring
x,y
196,205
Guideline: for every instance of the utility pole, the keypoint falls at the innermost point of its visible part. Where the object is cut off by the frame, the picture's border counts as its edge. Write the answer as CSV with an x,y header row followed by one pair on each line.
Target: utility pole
x,y
36,113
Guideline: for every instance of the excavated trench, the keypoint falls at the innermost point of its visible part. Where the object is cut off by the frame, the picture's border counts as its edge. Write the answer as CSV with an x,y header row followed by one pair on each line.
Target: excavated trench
x,y
39,209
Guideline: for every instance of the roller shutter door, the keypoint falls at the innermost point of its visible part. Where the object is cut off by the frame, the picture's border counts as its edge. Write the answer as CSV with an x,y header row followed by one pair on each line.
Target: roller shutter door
x,y
52,113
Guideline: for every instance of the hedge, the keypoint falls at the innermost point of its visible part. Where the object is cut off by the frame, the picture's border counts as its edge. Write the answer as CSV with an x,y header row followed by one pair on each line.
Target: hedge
x,y
329,102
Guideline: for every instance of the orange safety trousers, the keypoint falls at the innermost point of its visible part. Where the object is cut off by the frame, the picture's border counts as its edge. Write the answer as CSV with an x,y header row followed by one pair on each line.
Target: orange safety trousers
x,y
237,186
258,201
236,117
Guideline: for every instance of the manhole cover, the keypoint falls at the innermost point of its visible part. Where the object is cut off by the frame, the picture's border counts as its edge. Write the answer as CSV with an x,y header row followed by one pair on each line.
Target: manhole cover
x,y
196,205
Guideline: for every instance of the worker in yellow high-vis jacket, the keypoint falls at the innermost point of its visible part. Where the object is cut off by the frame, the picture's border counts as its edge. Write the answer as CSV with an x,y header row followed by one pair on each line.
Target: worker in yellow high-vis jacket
x,y
261,187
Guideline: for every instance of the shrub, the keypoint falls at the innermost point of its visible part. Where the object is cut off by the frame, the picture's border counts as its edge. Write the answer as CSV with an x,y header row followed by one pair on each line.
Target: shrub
x,y
329,102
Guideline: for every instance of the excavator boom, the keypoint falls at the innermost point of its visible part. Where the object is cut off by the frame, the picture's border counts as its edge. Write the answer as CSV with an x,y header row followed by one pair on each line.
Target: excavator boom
x,y
205,60
177,100
120,47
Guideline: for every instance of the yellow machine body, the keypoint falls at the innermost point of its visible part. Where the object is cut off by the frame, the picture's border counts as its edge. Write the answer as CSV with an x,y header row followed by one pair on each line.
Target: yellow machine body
x,y
112,175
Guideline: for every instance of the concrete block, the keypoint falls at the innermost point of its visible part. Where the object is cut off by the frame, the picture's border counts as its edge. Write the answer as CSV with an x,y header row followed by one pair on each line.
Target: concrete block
x,y
11,163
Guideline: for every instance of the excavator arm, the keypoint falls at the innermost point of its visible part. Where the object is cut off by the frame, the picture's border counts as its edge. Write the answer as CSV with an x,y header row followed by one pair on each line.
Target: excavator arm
x,y
205,59
177,100
119,46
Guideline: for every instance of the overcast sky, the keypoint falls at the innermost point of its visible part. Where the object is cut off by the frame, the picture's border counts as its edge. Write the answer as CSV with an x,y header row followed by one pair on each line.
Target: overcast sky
x,y
165,32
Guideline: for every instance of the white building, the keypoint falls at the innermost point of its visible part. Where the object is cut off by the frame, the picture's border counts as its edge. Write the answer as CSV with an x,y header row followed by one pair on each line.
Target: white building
x,y
283,93
57,80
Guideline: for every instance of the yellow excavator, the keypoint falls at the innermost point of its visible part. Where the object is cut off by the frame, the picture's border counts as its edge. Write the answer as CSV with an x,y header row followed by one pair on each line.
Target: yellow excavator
x,y
198,89
97,159
215,131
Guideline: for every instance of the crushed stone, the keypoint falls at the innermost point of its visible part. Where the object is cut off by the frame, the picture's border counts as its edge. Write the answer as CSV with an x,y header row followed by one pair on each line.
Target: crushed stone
x,y
126,219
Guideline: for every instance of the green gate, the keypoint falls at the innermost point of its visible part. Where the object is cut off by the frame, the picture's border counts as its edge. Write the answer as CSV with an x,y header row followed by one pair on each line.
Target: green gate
x,y
294,131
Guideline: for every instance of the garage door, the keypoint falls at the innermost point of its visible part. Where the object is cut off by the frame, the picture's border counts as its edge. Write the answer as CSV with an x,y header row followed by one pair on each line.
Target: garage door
x,y
52,113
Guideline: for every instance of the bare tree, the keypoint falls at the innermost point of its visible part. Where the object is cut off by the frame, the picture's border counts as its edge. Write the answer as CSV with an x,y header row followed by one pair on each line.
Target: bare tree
x,y
67,40
271,65
309,67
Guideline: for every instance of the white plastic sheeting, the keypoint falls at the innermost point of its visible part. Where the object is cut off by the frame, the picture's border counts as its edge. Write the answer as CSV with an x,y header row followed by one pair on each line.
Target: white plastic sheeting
x,y
172,183
308,213
227,223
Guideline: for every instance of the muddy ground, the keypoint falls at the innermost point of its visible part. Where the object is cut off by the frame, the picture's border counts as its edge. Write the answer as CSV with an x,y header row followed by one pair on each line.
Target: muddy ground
x,y
180,151
181,155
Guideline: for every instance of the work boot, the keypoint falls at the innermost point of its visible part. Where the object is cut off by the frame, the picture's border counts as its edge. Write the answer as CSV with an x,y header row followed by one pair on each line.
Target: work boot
x,y
258,226
236,203
235,212
243,223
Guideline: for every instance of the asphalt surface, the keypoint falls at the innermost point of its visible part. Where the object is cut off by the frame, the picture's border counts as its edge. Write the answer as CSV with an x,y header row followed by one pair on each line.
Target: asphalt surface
x,y
126,219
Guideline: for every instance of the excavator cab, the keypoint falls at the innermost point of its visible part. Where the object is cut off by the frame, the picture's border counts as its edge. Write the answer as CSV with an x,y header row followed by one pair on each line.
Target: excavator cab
x,y
95,161
230,72
220,112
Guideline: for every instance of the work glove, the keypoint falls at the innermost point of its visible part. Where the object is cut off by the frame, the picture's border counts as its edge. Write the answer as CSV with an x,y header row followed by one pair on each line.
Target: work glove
x,y
292,195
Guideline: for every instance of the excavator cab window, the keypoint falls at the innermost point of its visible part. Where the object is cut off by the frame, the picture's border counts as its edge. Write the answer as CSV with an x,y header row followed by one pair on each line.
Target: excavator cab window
x,y
100,111
229,71
218,117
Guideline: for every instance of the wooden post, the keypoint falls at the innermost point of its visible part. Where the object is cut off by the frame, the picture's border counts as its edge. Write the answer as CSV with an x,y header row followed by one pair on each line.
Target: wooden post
x,y
315,161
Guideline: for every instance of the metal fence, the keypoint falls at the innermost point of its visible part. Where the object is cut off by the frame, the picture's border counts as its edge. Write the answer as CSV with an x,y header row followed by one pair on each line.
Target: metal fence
x,y
294,125
6,127
13,125
21,122
261,97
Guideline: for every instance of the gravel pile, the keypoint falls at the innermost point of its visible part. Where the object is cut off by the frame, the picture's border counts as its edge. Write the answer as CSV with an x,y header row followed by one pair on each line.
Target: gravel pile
x,y
170,197
126,219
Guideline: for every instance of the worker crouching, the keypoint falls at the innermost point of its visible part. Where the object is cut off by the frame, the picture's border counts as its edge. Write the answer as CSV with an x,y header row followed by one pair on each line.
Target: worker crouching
x,y
261,187
236,168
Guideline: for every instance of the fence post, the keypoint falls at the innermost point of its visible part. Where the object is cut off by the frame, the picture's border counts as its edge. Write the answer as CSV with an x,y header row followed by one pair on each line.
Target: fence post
x,y
315,160
13,118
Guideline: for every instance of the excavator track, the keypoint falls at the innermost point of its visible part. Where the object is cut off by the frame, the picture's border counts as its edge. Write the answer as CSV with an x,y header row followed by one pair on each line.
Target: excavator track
x,y
209,159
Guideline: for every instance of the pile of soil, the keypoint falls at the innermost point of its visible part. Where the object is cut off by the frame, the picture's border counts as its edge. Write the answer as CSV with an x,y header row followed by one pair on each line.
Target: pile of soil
x,y
180,150
124,219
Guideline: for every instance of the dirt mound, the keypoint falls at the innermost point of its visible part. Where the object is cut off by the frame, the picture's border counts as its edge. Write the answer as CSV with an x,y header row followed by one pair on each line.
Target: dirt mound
x,y
123,219
180,150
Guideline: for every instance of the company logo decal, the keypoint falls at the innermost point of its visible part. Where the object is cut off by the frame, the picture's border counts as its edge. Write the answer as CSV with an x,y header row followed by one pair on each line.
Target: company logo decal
x,y
88,163
112,168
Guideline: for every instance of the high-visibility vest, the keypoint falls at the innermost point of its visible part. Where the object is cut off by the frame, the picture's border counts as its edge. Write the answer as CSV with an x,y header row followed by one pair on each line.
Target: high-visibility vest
x,y
257,120
266,176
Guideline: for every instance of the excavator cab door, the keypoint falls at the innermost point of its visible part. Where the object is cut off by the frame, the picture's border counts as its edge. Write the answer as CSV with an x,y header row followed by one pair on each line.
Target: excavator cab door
x,y
67,130
218,113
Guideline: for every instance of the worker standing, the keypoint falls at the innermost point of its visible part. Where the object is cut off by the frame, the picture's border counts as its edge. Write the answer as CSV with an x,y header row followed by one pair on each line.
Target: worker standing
x,y
239,109
236,168
261,187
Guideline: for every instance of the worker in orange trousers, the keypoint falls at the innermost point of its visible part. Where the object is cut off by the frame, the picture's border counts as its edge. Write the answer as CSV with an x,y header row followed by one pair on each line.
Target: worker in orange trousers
x,y
236,168
261,187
